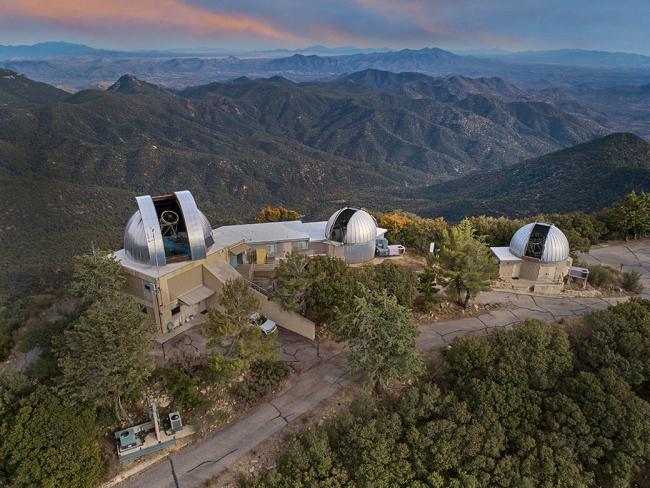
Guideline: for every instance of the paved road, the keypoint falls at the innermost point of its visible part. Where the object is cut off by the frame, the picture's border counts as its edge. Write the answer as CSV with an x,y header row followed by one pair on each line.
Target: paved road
x,y
207,457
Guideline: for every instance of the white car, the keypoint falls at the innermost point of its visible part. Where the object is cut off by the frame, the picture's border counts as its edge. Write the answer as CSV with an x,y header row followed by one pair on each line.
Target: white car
x,y
265,325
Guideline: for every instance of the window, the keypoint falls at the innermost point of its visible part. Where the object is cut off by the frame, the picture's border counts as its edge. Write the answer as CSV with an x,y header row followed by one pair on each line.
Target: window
x,y
271,249
176,309
300,246
149,289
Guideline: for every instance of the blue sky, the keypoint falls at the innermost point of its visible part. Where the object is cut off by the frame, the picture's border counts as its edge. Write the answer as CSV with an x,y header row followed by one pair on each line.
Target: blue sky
x,y
622,25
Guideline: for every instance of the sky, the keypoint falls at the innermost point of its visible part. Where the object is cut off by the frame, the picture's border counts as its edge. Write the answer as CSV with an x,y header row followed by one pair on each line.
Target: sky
x,y
621,25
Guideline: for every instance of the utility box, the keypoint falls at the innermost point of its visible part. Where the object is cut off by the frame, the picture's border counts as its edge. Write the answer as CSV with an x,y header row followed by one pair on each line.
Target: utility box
x,y
396,250
381,247
175,422
127,438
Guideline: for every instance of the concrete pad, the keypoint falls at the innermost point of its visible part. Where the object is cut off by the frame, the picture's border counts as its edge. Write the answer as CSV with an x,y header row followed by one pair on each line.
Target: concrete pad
x,y
525,314
498,317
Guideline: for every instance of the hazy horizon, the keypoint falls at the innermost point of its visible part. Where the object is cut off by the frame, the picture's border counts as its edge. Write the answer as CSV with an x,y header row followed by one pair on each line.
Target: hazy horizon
x,y
254,25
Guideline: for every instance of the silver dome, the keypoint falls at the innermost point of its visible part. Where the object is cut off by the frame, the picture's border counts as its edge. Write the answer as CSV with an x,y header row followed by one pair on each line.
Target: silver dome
x,y
541,241
143,240
351,225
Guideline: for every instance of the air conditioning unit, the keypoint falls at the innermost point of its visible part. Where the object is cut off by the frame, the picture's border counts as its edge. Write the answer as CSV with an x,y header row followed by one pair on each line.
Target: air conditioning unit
x,y
175,422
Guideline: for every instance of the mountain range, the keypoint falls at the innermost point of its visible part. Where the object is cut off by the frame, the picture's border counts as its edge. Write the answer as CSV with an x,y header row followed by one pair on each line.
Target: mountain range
x,y
70,164
74,67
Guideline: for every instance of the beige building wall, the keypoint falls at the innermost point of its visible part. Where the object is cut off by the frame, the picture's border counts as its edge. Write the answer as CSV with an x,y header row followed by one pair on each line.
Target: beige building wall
x,y
194,274
509,269
529,270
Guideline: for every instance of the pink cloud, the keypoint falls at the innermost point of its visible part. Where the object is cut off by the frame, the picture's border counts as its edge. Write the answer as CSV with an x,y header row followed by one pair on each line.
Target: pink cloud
x,y
165,14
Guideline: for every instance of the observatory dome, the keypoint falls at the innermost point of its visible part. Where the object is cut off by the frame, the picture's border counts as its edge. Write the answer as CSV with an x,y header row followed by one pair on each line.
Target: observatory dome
x,y
356,230
351,225
541,241
167,229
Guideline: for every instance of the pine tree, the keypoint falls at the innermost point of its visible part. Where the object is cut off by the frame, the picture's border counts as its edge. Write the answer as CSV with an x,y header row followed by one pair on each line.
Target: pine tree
x,y
381,335
466,264
231,328
293,279
102,356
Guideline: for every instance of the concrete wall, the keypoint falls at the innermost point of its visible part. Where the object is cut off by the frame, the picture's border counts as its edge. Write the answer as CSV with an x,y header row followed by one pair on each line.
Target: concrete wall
x,y
529,270
509,269
285,319
182,283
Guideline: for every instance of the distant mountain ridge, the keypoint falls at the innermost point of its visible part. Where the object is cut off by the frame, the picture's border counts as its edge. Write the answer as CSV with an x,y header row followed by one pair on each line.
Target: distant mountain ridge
x,y
575,57
180,70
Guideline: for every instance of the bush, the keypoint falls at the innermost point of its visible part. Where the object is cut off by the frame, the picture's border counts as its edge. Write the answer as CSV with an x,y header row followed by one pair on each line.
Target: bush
x,y
602,277
398,281
7,328
264,376
428,297
49,443
631,282
185,379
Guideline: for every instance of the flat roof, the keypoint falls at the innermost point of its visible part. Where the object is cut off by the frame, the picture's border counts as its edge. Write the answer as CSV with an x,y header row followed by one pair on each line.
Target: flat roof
x,y
229,235
264,232
145,268
504,254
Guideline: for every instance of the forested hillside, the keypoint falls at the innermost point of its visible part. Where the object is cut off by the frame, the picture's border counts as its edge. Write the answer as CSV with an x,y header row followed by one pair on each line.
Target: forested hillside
x,y
586,177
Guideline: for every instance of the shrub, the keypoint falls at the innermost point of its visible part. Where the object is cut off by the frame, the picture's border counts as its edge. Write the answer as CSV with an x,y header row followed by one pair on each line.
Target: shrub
x,y
428,297
601,277
276,214
631,281
7,328
264,376
185,379
398,281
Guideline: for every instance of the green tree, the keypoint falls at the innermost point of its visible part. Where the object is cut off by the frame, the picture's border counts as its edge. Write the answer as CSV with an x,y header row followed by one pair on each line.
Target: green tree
x,y
412,230
239,301
50,444
276,214
618,338
333,284
381,334
102,356
497,231
467,266
398,281
96,276
619,423
427,285
231,328
630,217
292,282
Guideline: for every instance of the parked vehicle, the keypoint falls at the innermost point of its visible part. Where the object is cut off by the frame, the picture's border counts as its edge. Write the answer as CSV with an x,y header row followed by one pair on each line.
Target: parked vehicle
x,y
265,325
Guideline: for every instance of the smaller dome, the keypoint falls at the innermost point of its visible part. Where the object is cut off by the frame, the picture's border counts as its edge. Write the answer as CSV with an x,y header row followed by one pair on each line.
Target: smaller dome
x,y
351,225
539,240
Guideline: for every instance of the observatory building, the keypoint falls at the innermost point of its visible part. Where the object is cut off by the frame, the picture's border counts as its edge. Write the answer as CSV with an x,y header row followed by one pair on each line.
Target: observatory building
x,y
537,259
177,264
355,231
